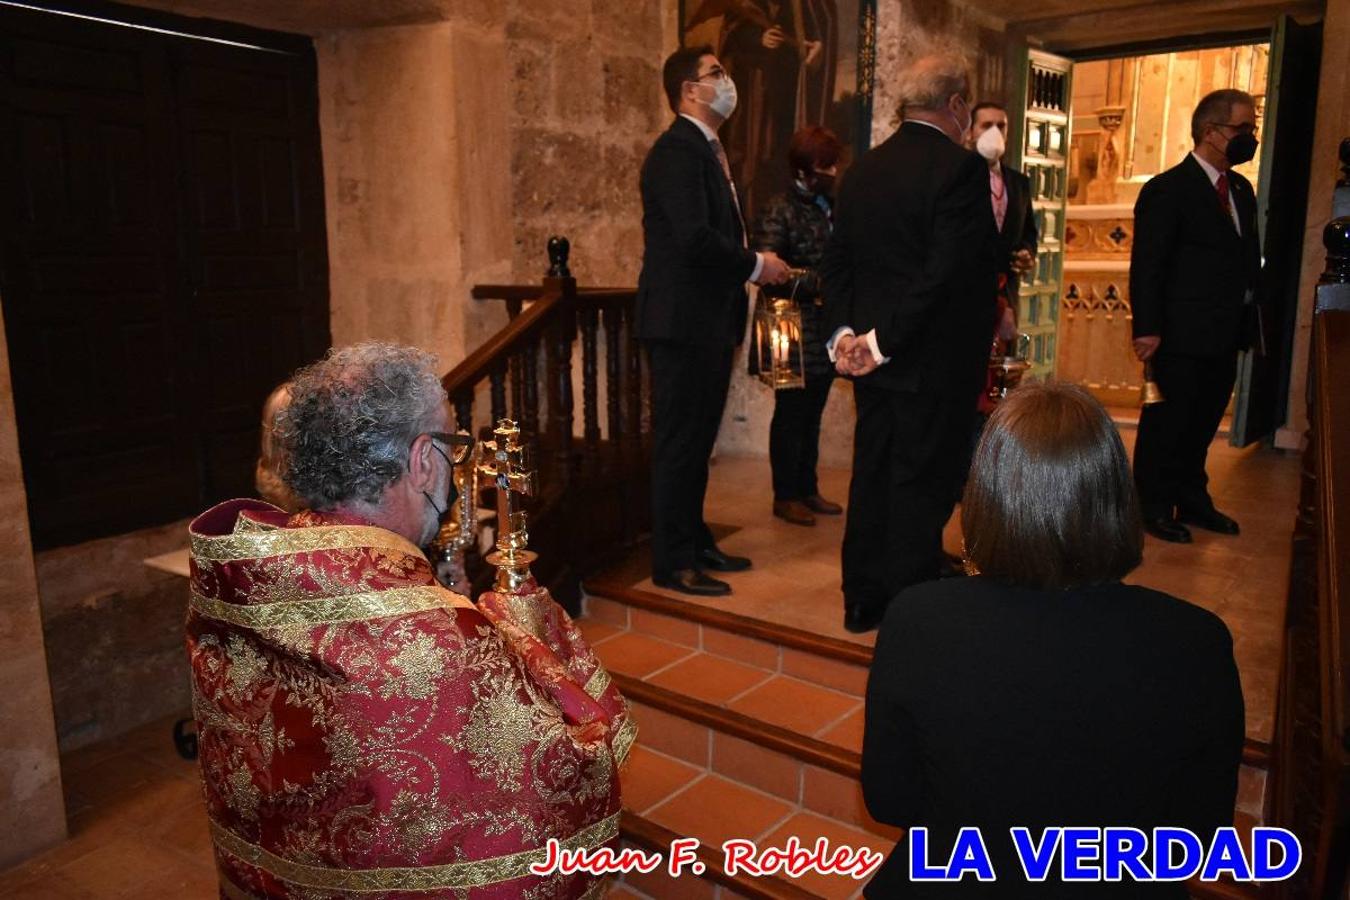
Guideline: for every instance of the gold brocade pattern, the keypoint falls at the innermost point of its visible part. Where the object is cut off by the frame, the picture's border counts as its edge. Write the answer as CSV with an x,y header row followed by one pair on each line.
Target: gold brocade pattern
x,y
598,683
329,610
476,873
364,732
624,740
242,545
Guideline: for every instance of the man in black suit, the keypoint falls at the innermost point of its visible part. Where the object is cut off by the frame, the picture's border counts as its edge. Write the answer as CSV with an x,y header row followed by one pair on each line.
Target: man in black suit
x,y
1194,271
909,301
691,312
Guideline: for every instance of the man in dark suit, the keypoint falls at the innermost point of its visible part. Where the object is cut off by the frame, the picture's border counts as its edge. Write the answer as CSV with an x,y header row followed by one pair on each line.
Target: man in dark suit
x,y
691,312
1194,270
909,301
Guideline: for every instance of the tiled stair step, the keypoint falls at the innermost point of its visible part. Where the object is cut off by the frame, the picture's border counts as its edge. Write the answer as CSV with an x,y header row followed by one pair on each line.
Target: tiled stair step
x,y
651,643
838,665
705,793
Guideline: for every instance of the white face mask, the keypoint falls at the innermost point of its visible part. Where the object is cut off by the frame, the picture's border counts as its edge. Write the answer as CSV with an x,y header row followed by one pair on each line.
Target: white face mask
x,y
990,144
724,97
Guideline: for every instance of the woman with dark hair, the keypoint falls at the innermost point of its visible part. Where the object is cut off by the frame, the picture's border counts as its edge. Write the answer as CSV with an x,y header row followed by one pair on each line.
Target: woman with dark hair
x,y
1042,691
796,226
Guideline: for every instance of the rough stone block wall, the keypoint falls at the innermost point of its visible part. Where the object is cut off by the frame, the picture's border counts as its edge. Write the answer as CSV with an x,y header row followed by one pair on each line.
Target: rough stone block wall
x,y
586,105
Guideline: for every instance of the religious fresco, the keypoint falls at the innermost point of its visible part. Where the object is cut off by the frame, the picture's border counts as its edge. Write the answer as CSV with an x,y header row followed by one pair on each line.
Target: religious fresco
x,y
795,63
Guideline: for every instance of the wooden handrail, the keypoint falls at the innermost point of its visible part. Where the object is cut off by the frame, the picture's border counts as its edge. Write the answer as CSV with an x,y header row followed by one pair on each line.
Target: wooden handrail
x,y
592,500
522,331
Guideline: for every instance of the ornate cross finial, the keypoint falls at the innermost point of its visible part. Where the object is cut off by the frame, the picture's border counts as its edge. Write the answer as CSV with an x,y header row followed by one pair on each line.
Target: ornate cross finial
x,y
504,461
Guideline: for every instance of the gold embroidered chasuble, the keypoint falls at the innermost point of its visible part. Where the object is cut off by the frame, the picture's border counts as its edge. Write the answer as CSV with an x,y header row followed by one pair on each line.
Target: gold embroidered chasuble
x,y
364,732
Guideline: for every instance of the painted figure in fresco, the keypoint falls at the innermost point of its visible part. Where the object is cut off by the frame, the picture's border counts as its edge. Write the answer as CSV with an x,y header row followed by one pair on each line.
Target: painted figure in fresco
x,y
781,54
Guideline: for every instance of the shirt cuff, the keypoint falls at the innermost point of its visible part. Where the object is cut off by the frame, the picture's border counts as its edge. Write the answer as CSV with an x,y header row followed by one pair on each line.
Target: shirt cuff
x,y
759,267
871,338
834,339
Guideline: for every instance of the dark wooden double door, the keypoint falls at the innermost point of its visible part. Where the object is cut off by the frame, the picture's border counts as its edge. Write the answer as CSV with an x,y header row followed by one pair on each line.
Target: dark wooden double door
x,y
163,262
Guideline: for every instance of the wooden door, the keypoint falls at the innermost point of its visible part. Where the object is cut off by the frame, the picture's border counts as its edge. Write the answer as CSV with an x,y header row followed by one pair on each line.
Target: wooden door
x,y
144,324
255,264
1039,144
1288,111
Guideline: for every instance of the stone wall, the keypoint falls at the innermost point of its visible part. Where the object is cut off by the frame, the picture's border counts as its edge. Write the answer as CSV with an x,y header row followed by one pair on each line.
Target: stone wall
x,y
114,634
905,30
32,810
586,105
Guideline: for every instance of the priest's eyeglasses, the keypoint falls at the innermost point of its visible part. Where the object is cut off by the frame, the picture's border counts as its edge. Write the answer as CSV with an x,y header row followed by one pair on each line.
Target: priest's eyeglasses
x,y
460,444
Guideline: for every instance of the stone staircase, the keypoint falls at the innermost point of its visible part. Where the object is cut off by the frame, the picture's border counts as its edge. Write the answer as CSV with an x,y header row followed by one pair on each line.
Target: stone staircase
x,y
751,729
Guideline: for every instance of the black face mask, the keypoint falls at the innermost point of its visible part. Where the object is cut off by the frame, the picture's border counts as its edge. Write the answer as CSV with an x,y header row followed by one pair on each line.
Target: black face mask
x,y
452,493
824,185
1241,149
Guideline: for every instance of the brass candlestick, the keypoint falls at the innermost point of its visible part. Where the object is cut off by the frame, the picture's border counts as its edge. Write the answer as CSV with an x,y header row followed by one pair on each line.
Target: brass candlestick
x,y
504,461
459,531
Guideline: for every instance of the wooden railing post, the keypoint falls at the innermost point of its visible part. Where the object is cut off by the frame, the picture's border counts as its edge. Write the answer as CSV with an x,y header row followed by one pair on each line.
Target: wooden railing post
x,y
593,500
1311,789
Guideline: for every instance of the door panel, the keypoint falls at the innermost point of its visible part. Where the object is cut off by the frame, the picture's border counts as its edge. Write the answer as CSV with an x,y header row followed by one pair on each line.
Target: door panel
x,y
1039,145
1262,391
142,203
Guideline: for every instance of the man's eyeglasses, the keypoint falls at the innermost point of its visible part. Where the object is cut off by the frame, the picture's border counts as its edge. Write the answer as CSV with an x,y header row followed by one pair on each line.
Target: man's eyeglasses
x,y
460,444
1239,127
716,74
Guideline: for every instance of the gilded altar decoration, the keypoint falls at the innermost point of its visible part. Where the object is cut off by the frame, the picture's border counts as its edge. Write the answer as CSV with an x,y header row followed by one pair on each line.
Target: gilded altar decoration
x,y
365,732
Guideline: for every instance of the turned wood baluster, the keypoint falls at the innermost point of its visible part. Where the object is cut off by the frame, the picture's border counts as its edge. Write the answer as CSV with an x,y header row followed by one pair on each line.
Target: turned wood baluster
x,y
560,401
613,377
528,411
590,389
498,391
517,369
464,411
633,389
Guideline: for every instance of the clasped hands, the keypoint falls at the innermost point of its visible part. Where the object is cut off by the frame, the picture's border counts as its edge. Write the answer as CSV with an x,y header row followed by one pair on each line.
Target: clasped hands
x,y
853,356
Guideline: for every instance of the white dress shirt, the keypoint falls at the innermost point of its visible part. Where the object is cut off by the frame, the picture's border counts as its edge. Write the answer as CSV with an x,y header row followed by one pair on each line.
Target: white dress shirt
x,y
712,136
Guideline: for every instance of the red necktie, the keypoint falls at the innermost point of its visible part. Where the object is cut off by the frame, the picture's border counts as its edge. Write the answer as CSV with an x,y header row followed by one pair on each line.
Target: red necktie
x,y
1221,185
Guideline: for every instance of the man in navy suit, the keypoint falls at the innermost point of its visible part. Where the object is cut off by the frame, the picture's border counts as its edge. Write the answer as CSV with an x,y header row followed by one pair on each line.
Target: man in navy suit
x,y
1194,272
691,312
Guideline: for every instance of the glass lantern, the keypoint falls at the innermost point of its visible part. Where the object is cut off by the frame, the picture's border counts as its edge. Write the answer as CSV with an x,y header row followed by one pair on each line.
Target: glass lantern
x,y
778,342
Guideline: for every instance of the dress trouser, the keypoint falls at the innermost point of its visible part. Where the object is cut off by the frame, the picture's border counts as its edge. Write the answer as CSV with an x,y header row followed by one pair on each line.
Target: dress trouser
x,y
689,391
1174,436
908,452
794,437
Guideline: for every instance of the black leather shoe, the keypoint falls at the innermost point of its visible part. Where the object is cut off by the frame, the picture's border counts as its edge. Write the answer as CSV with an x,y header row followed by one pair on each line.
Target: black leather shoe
x,y
716,560
1165,528
692,581
1211,520
860,619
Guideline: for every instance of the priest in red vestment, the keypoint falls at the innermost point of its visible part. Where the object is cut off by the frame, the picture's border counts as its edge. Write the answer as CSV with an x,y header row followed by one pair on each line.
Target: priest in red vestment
x,y
363,731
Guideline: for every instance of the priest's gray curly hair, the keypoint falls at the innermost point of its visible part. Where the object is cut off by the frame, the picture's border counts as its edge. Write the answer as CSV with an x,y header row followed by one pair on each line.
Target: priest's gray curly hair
x,y
352,417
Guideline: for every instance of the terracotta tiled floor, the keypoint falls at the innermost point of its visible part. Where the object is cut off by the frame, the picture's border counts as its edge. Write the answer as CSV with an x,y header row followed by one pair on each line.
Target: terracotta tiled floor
x,y
137,827
795,579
